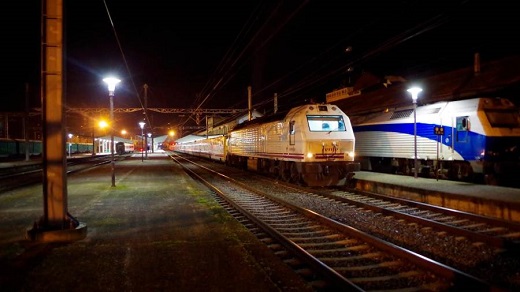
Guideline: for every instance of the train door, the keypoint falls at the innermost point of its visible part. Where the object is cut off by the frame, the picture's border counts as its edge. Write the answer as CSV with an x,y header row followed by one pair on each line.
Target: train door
x,y
224,142
292,132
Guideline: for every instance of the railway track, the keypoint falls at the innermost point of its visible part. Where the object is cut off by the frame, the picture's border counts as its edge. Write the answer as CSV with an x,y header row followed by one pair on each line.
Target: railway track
x,y
495,232
343,256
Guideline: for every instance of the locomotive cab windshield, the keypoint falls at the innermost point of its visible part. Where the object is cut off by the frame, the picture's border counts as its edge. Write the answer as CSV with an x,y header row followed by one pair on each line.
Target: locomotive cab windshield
x,y
326,123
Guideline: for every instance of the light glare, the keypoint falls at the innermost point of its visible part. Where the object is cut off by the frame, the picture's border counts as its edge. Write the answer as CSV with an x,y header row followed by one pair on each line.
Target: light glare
x,y
112,82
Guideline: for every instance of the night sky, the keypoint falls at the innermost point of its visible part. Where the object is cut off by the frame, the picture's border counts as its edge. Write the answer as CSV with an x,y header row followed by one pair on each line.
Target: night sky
x,y
205,53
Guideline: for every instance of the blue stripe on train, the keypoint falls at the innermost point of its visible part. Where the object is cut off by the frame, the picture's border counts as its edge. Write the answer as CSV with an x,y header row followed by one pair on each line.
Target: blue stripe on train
x,y
468,144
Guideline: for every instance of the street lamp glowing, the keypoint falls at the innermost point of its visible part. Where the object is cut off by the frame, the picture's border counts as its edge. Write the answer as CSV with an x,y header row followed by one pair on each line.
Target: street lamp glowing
x,y
70,142
111,81
414,91
149,135
141,124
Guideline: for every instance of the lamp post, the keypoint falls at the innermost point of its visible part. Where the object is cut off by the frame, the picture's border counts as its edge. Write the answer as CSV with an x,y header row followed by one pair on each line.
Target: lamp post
x,y
415,92
111,88
70,137
141,124
149,136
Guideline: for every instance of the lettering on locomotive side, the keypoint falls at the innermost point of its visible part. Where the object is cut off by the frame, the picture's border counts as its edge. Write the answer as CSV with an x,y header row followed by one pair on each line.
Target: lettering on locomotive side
x,y
329,149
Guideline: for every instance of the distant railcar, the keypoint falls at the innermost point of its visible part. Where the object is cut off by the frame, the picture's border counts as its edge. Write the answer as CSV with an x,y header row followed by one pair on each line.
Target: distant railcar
x,y
311,144
124,148
16,148
472,140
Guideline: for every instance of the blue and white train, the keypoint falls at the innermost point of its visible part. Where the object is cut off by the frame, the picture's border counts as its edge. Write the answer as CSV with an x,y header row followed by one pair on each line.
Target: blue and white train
x,y
311,144
460,140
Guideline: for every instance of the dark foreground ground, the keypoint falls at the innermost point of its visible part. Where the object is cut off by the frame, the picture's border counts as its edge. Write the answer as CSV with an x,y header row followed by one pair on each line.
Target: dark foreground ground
x,y
157,230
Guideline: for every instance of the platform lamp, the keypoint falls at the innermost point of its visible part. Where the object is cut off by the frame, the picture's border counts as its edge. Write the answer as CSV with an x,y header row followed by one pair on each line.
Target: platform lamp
x,y
111,88
70,142
149,139
414,91
141,124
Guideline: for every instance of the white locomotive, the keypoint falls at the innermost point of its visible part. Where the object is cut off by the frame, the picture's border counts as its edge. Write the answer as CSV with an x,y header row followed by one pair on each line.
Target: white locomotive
x,y
459,140
311,144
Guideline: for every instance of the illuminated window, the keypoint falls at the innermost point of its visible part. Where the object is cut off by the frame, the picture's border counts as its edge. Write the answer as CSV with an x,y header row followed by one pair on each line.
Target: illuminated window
x,y
326,123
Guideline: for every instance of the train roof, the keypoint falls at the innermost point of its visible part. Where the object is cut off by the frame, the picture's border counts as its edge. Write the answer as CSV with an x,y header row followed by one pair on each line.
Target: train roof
x,y
278,116
498,78
116,139
191,138
264,119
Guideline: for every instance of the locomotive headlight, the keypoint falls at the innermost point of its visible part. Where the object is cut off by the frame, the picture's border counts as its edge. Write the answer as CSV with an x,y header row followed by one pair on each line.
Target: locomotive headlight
x,y
309,155
350,154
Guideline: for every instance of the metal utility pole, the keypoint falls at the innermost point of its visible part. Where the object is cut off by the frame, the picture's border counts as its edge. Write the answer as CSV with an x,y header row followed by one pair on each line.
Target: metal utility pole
x,y
56,224
249,103
275,103
112,162
415,92
146,115
25,117
112,82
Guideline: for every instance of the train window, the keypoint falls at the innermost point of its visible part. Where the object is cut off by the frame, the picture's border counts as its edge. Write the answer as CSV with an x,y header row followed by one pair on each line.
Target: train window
x,y
503,118
326,123
291,127
462,129
462,123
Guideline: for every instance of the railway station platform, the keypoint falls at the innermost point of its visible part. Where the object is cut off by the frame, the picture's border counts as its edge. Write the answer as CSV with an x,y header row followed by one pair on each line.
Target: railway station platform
x,y
485,200
156,230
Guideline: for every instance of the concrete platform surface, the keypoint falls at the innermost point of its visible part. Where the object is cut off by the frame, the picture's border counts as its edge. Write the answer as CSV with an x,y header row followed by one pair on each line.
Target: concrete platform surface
x,y
486,200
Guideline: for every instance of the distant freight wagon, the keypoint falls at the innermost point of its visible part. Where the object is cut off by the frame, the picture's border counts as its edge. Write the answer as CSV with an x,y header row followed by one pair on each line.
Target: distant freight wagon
x,y
16,148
